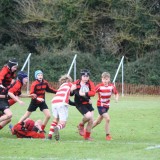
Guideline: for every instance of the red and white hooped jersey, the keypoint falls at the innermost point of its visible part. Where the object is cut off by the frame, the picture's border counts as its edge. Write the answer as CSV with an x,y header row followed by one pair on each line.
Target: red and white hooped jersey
x,y
63,94
104,94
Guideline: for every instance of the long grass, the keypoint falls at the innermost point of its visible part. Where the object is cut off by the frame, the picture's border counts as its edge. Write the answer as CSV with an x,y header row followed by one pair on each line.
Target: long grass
x,y
135,129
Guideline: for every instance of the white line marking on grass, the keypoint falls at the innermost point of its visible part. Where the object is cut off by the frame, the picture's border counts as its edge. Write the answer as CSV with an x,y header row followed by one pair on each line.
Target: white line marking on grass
x,y
153,147
28,158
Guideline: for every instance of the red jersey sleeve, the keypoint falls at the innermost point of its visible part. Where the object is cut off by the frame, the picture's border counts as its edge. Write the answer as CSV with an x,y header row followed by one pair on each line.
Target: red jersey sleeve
x,y
3,72
114,89
97,87
92,91
15,87
50,89
32,88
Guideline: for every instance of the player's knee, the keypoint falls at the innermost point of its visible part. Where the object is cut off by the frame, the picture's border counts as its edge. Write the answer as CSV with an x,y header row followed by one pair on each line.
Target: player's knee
x,y
107,119
9,116
89,116
98,122
48,116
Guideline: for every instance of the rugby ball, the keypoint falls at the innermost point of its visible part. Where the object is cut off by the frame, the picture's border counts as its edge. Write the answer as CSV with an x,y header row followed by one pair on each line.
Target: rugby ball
x,y
84,88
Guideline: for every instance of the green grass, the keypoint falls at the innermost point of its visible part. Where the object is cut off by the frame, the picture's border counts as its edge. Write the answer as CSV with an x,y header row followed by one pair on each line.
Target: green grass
x,y
134,127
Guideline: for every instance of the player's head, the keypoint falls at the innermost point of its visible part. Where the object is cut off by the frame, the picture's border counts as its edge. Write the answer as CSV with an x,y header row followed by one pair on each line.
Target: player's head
x,y
29,124
23,77
12,64
38,75
85,73
105,78
65,78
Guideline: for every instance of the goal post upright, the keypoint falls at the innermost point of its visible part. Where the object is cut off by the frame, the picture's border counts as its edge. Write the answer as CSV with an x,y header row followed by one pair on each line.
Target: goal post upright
x,y
120,64
28,72
73,63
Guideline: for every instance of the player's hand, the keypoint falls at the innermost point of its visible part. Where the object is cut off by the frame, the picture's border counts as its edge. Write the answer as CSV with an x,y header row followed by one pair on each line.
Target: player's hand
x,y
40,99
90,102
33,96
21,103
74,86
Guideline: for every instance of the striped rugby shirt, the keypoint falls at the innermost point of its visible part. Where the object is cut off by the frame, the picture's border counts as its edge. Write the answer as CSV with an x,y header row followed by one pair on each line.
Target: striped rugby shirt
x,y
104,94
63,94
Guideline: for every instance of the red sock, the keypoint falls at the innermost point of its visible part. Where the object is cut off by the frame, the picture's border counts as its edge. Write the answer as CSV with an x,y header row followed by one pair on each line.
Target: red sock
x,y
43,127
1,127
82,125
51,131
87,134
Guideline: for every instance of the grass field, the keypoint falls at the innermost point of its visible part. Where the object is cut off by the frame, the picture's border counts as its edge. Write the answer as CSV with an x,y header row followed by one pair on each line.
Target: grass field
x,y
135,128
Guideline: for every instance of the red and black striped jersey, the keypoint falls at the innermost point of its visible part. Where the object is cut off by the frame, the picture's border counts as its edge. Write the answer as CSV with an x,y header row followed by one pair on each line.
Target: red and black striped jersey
x,y
39,88
81,99
6,76
16,88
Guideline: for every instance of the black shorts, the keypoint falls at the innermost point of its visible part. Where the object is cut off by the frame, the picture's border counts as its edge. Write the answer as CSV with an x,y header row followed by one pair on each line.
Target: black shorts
x,y
3,104
84,108
102,110
33,106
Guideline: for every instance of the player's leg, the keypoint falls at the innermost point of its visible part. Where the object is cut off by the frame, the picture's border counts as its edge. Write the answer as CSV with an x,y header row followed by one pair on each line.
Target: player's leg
x,y
25,116
54,121
107,126
7,115
83,110
97,121
46,119
63,115
4,123
88,129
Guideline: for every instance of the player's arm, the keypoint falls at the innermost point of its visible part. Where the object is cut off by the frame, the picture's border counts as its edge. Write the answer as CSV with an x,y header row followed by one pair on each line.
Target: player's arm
x,y
92,91
116,94
50,89
3,72
11,94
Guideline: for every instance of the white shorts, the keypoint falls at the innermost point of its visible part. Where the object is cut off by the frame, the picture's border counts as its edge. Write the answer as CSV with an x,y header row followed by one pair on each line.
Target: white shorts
x,y
60,110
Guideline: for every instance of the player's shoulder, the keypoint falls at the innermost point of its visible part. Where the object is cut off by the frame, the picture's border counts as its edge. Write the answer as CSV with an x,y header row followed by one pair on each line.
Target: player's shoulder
x,y
111,84
99,85
4,69
77,81
35,82
45,81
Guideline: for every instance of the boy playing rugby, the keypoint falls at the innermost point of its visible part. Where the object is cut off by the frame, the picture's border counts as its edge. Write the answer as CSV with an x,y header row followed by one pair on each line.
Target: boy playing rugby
x,y
105,90
60,106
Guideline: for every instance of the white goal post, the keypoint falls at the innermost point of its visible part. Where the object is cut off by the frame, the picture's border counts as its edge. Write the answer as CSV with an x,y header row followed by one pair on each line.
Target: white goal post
x,y
120,64
73,63
28,72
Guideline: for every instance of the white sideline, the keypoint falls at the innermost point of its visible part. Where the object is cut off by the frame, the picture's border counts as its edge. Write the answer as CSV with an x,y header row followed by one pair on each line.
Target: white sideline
x,y
153,147
28,158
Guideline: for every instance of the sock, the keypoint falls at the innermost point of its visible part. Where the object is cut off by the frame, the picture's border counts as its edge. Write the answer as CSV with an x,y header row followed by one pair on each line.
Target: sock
x,y
43,127
87,134
60,126
51,131
82,125
1,127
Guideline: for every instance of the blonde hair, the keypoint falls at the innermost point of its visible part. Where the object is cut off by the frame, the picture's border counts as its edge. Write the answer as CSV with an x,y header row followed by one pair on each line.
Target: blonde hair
x,y
65,78
106,75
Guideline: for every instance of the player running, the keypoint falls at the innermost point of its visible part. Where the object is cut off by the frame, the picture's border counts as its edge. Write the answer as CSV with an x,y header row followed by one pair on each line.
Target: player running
x,y
60,106
38,88
105,90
